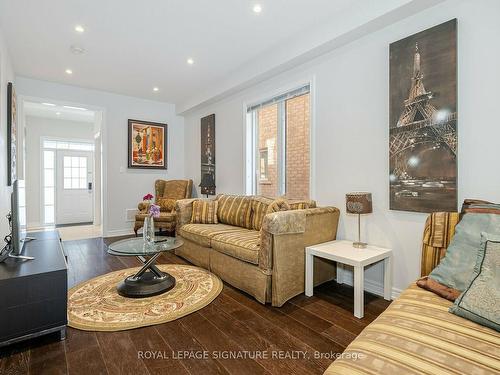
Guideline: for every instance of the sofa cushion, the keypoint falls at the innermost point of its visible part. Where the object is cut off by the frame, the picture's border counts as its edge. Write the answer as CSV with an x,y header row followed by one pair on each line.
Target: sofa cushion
x,y
243,245
259,210
204,212
166,204
202,234
235,210
417,334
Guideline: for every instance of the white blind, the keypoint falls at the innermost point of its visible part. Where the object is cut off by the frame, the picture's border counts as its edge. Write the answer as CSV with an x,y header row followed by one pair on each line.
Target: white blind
x,y
281,98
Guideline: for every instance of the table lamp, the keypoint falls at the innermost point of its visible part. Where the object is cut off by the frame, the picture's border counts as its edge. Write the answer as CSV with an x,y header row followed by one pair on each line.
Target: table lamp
x,y
207,184
359,203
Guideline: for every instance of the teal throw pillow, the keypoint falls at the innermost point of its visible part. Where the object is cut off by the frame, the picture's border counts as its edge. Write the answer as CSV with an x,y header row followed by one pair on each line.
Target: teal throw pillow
x,y
456,268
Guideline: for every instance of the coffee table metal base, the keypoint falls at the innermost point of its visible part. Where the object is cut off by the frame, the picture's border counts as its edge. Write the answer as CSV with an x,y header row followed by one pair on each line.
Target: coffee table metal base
x,y
148,281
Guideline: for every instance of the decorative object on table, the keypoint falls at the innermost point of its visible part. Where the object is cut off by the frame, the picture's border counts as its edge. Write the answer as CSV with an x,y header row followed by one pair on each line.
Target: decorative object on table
x,y
207,184
149,225
11,134
423,121
95,305
359,203
147,145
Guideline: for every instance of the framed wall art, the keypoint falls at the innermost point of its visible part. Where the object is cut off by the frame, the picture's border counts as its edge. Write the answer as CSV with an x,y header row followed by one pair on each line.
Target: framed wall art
x,y
423,121
207,184
147,144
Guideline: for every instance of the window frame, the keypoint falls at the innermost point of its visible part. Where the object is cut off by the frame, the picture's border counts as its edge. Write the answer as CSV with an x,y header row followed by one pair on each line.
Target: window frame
x,y
250,144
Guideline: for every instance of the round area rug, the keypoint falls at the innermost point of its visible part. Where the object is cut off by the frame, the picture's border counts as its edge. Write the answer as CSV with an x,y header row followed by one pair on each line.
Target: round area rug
x,y
95,305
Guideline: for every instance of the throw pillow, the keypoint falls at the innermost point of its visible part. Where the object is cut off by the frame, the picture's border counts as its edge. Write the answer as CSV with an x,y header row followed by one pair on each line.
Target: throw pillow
x,y
259,210
166,204
204,212
441,290
456,268
277,205
480,302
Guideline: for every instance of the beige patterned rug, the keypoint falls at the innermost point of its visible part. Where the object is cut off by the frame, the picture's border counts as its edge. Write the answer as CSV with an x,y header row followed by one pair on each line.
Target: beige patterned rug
x,y
95,305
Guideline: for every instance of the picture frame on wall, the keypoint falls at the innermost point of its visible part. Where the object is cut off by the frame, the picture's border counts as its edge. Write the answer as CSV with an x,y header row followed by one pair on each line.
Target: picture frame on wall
x,y
423,120
11,134
147,144
207,131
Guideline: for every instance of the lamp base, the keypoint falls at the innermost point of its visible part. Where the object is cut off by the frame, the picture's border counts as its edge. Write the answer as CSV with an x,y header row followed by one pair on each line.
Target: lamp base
x,y
359,245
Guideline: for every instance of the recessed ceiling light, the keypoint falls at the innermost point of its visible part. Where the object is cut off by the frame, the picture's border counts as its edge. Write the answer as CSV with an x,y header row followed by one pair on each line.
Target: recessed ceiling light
x,y
257,8
58,113
71,107
156,89
190,61
79,29
49,104
69,71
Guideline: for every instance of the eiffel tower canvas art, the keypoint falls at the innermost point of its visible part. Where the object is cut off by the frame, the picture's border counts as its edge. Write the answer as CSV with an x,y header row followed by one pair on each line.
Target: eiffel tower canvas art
x,y
423,121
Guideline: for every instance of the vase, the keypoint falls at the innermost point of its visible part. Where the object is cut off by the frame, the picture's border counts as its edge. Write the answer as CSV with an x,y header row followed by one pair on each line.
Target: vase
x,y
149,230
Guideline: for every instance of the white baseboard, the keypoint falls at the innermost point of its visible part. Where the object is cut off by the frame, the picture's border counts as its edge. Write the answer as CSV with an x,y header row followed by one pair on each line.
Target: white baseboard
x,y
118,232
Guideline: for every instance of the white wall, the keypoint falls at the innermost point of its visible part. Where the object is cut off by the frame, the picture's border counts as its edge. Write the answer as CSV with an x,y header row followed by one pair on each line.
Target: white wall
x,y
36,128
122,188
6,75
350,139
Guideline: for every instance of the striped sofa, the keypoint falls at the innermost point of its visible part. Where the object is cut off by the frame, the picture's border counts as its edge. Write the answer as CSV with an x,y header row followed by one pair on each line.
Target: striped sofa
x,y
417,334
258,252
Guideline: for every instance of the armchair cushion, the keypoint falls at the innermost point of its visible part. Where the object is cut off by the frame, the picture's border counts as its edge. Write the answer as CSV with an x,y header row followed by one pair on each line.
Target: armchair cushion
x,y
166,204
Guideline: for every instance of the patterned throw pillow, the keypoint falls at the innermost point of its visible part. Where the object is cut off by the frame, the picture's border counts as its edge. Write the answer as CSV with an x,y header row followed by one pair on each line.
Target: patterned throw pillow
x,y
480,302
235,210
301,204
259,210
204,212
279,204
166,204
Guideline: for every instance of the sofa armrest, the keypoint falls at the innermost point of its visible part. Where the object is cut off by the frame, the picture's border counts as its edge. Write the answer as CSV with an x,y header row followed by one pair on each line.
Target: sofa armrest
x,y
283,247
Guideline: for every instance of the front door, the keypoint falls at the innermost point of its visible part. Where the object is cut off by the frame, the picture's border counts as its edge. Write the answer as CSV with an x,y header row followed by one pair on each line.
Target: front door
x,y
74,191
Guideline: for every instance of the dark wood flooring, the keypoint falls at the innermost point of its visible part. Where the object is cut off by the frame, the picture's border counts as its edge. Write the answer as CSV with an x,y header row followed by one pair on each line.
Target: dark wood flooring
x,y
310,329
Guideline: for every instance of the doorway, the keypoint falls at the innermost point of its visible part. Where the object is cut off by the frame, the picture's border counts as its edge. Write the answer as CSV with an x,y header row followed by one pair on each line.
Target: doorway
x,y
65,180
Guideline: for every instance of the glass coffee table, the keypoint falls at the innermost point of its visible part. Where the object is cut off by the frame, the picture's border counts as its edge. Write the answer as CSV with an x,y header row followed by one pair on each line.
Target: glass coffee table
x,y
149,280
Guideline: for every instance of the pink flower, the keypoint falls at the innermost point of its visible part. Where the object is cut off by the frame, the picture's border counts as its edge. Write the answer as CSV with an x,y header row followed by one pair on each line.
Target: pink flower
x,y
147,197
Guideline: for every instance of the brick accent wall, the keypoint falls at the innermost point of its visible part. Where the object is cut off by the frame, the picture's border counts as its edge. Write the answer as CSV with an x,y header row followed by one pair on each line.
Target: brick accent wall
x,y
268,122
297,148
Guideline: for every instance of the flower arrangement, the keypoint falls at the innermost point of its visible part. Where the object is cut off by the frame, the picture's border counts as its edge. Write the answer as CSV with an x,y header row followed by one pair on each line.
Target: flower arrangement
x,y
153,209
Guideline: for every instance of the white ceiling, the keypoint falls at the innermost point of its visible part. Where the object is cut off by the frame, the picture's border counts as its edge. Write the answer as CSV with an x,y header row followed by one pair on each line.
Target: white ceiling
x,y
57,111
133,45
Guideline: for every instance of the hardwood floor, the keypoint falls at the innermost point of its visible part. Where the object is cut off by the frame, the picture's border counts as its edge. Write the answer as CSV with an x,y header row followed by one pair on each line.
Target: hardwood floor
x,y
234,324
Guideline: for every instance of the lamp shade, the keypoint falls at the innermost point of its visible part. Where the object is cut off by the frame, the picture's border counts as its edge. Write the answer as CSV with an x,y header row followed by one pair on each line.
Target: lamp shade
x,y
359,203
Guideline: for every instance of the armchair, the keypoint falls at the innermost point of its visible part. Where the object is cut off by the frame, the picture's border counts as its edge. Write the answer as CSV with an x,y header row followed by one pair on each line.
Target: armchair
x,y
167,192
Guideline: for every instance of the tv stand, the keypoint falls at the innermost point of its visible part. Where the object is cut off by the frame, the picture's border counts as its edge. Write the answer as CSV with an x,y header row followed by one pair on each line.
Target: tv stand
x,y
34,293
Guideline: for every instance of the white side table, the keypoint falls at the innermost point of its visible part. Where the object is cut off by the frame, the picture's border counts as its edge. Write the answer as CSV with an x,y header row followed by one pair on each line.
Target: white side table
x,y
343,252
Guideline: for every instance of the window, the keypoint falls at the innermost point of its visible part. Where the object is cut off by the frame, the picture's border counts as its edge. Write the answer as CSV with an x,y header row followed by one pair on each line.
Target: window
x,y
68,145
75,172
48,187
278,145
